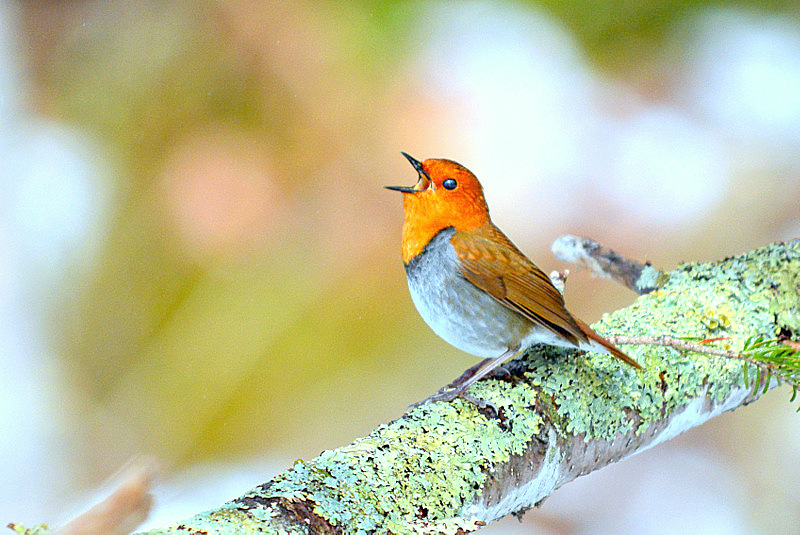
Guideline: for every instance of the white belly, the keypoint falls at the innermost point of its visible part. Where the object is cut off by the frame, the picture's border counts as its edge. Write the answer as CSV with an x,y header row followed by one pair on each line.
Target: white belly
x,y
455,309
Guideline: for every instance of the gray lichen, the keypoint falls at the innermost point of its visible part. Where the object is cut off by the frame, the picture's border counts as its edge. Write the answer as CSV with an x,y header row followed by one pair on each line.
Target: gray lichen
x,y
415,475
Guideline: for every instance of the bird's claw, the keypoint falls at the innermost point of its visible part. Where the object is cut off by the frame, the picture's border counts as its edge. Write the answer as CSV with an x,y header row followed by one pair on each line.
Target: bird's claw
x,y
449,394
444,394
481,404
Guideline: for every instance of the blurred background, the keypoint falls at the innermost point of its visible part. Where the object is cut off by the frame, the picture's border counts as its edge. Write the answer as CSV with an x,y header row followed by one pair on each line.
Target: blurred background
x,y
198,260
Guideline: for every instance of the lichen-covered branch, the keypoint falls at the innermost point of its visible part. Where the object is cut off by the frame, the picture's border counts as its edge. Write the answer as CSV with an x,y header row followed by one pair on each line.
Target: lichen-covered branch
x,y
449,468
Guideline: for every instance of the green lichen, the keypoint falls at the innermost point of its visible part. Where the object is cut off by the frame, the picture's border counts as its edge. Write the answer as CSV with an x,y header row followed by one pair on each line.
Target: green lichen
x,y
225,520
41,529
736,298
786,299
415,474
651,278
417,471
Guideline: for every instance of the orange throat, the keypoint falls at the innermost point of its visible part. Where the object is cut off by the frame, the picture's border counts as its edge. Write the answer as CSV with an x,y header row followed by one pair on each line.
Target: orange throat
x,y
426,216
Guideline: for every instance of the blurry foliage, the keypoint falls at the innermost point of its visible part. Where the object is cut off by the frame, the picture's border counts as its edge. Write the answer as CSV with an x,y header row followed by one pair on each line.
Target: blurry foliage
x,y
196,355
138,73
199,354
618,34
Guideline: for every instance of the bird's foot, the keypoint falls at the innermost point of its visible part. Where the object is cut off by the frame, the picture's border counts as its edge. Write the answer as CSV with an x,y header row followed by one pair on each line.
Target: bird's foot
x,y
482,405
467,375
501,373
498,373
444,394
458,388
449,394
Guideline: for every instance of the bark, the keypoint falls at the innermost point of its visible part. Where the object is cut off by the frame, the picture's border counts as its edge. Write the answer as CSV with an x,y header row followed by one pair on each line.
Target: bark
x,y
451,467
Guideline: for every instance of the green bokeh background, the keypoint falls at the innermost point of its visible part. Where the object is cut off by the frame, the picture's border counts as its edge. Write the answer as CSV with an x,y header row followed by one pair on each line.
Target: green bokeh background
x,y
244,296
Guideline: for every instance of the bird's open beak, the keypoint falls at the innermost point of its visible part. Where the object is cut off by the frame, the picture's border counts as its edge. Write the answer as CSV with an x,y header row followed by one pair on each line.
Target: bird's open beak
x,y
422,184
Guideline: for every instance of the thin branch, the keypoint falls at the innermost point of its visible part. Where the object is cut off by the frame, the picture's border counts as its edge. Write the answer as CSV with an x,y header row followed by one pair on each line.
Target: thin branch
x,y
682,345
606,263
126,507
787,351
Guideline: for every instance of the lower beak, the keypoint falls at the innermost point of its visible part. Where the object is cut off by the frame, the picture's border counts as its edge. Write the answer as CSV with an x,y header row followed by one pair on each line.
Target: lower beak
x,y
404,189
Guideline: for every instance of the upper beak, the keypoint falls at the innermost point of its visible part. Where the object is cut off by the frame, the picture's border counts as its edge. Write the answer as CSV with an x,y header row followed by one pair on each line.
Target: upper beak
x,y
422,184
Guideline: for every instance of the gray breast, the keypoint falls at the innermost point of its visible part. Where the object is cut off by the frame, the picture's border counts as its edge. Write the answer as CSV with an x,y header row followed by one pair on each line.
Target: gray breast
x,y
454,308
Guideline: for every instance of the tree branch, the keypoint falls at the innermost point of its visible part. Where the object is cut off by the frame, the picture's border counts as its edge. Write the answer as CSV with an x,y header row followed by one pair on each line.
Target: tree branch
x,y
449,468
445,467
606,263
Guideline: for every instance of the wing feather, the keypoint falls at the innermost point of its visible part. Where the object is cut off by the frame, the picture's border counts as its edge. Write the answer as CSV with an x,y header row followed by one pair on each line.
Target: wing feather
x,y
492,263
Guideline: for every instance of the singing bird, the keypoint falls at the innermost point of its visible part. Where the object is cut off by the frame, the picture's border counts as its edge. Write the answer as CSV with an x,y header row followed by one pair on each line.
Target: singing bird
x,y
471,285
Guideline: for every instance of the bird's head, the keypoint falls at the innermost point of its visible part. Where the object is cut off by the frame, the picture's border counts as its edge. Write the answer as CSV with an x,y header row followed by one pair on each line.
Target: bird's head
x,y
446,195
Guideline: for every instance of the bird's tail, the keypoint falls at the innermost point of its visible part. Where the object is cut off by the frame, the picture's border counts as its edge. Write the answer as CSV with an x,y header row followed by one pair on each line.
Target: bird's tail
x,y
611,348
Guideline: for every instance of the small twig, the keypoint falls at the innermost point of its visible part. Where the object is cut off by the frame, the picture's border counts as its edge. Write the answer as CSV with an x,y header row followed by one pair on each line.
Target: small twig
x,y
685,345
603,262
559,279
128,505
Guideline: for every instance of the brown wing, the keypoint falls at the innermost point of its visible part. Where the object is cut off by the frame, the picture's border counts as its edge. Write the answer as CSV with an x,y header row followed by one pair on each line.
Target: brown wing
x,y
492,263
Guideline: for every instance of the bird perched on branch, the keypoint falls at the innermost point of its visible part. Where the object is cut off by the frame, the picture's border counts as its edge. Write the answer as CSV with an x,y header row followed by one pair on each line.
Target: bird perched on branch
x,y
471,285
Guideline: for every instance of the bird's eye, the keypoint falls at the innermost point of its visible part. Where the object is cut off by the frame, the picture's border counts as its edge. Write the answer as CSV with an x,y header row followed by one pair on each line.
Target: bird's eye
x,y
450,183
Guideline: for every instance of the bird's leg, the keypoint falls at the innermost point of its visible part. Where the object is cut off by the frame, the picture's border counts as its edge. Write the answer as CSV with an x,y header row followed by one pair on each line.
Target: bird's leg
x,y
487,369
462,378
458,388
468,373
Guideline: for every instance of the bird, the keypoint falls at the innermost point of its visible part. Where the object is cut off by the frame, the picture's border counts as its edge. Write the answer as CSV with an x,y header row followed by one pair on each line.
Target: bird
x,y
472,285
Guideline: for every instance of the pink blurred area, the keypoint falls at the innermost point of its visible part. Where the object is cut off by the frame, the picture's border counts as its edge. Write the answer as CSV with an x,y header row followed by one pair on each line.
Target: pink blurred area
x,y
198,260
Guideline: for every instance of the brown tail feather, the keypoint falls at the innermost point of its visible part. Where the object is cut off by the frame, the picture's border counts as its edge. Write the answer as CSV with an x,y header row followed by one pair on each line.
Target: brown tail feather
x,y
591,335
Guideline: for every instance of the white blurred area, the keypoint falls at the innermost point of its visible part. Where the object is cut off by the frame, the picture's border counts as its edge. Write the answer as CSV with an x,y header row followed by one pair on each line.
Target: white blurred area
x,y
552,140
541,128
743,78
51,213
